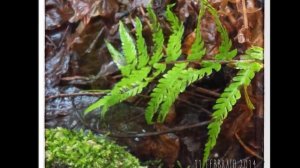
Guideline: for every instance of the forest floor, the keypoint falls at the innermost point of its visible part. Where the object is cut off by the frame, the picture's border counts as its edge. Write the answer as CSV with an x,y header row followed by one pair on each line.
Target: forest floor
x,y
77,60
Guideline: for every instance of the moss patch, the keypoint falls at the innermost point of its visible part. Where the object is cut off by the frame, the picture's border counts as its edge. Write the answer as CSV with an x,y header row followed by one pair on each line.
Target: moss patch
x,y
65,148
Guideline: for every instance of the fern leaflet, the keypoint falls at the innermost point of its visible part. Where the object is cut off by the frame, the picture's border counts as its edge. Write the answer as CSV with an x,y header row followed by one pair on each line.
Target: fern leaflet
x,y
157,36
226,44
128,49
124,89
162,91
226,101
197,49
174,43
118,58
143,57
253,53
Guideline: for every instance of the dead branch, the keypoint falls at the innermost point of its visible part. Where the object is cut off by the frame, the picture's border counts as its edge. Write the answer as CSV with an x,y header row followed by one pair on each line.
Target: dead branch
x,y
74,95
147,134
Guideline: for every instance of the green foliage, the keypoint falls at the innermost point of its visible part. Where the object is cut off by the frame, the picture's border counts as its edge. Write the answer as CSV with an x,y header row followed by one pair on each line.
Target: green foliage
x,y
172,18
174,43
127,87
171,85
253,53
197,49
179,77
229,97
226,44
129,50
157,36
65,148
117,56
135,79
163,94
139,68
143,57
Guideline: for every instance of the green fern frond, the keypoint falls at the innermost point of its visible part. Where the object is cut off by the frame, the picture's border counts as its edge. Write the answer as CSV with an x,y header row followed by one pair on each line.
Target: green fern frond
x,y
253,53
138,71
174,43
134,79
131,82
157,36
143,57
129,49
176,24
153,19
162,91
158,69
197,49
124,89
117,57
226,44
171,85
226,102
183,78
174,46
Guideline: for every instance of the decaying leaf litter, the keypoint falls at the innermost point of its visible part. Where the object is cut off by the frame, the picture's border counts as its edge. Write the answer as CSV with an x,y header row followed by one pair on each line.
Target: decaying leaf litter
x,y
77,60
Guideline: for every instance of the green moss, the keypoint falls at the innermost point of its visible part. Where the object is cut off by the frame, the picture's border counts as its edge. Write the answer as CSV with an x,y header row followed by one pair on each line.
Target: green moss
x,y
65,148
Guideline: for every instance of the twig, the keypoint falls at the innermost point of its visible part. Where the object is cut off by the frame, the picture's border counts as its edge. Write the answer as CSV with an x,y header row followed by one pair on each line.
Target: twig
x,y
89,50
143,13
71,78
195,105
133,118
248,150
259,163
245,14
142,10
224,4
117,76
51,41
147,134
64,36
199,95
74,95
206,91
81,80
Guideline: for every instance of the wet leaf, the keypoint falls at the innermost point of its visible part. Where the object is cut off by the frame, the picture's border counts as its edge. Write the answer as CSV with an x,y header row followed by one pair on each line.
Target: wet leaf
x,y
57,66
86,9
187,43
191,144
165,147
53,19
52,3
106,8
81,9
140,3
